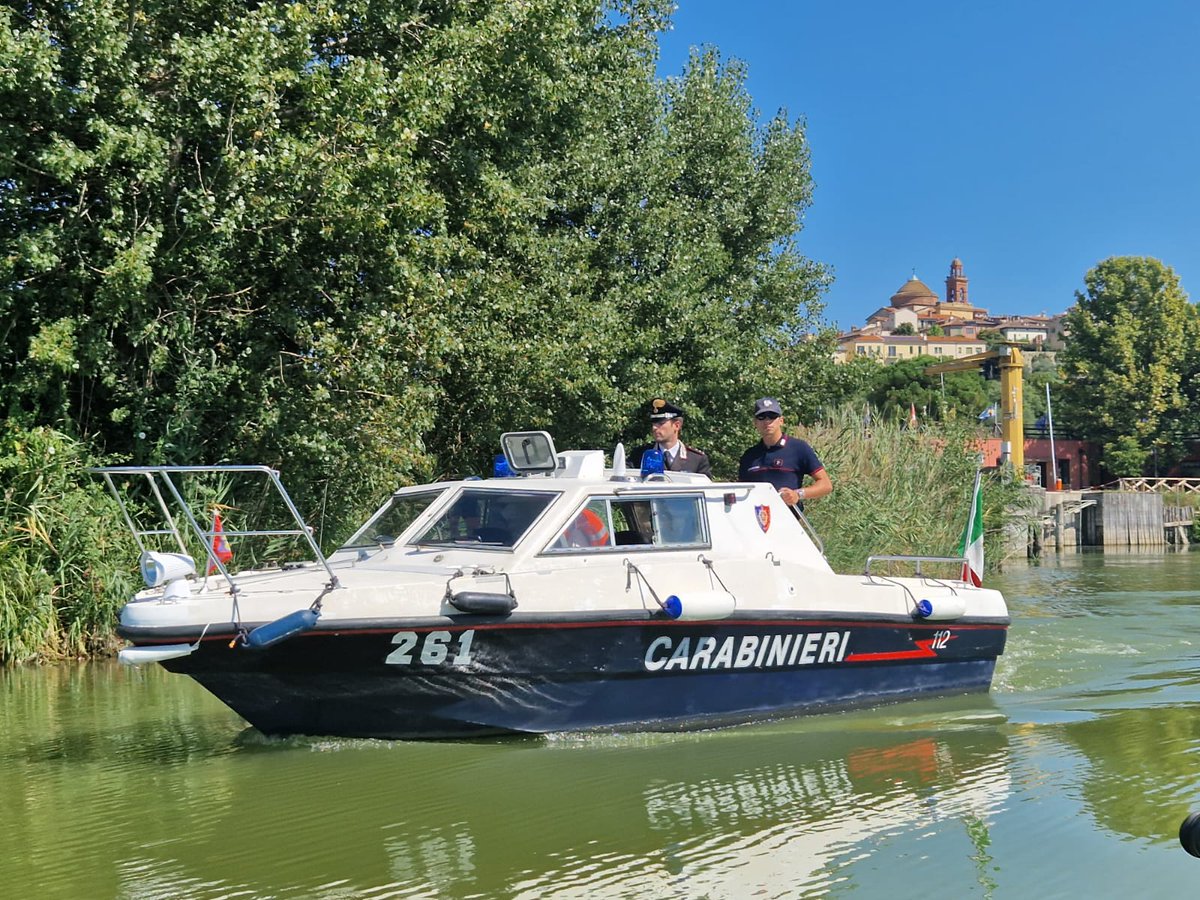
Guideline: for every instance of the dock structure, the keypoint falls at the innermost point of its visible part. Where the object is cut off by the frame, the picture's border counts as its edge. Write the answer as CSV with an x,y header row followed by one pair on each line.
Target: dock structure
x,y
1114,518
1178,520
1159,485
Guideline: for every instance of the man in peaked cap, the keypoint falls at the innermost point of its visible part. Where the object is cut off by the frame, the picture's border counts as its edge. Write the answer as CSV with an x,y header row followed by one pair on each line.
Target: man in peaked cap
x,y
666,421
781,460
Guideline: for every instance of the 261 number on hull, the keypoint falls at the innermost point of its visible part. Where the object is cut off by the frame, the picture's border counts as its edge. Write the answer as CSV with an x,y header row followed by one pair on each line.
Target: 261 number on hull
x,y
433,648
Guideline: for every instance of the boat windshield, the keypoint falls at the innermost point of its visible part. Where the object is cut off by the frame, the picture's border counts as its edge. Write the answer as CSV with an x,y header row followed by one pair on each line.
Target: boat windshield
x,y
394,518
490,518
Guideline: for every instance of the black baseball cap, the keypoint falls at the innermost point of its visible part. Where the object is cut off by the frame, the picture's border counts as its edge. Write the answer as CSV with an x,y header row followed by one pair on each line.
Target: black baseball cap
x,y
767,405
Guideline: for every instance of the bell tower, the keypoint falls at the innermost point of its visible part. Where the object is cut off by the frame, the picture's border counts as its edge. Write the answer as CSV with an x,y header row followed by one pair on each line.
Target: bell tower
x,y
956,283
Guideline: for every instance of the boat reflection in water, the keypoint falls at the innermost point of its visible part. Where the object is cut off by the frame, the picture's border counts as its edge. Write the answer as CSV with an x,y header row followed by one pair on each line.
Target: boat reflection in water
x,y
721,813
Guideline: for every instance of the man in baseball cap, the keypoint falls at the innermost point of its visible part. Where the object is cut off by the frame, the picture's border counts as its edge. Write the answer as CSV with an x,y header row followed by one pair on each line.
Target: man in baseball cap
x,y
781,460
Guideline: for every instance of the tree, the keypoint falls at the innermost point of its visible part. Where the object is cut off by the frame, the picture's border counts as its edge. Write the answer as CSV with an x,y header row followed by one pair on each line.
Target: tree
x,y
991,338
359,240
1125,457
1133,332
905,384
905,328
1040,373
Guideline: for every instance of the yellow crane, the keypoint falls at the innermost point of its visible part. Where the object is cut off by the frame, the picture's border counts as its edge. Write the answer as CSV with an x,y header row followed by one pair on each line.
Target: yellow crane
x,y
1012,403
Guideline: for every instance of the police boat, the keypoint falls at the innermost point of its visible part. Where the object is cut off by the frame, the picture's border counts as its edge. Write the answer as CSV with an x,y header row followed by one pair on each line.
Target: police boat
x,y
561,595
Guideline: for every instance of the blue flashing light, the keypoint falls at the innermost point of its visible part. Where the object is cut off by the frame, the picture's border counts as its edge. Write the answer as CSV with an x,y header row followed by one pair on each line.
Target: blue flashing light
x,y
500,467
652,462
673,606
924,609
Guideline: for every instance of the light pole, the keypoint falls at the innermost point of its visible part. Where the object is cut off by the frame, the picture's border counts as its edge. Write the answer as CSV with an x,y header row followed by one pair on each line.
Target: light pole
x,y
1054,479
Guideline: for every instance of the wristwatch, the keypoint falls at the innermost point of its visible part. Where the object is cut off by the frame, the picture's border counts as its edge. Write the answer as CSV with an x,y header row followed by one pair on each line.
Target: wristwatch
x,y
800,493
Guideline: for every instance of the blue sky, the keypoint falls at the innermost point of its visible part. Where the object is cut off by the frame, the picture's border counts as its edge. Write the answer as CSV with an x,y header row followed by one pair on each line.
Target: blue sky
x,y
1032,140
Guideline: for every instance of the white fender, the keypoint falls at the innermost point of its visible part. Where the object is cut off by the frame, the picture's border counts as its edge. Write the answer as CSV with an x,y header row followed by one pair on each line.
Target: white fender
x,y
139,656
951,607
700,605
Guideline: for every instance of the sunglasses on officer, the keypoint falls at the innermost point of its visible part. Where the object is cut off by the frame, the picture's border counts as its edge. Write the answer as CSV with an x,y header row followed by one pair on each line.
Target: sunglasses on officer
x,y
767,417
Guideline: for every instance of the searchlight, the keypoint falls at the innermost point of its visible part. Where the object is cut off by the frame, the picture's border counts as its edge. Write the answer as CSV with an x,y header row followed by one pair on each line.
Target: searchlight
x,y
165,568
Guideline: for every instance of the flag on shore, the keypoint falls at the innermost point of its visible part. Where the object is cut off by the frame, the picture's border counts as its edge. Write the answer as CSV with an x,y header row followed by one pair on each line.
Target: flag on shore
x,y
912,415
989,413
220,547
971,548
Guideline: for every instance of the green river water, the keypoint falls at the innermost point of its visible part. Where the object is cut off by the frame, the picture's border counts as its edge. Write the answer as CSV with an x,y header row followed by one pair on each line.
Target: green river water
x,y
1070,779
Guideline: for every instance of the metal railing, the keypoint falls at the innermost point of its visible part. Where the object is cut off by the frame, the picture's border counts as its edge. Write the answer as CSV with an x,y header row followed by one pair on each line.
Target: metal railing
x,y
159,480
916,561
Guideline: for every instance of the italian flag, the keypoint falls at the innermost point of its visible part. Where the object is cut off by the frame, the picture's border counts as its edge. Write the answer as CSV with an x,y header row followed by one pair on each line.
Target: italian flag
x,y
972,540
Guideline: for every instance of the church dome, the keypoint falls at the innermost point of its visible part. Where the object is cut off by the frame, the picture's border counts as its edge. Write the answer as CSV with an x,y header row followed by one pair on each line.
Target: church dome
x,y
914,292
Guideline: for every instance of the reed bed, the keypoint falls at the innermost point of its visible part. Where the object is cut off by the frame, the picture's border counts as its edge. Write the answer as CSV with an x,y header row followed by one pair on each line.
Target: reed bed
x,y
901,491
64,552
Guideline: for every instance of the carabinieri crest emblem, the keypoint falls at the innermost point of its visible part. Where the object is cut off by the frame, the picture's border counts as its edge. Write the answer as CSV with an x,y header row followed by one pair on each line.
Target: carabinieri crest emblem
x,y
763,514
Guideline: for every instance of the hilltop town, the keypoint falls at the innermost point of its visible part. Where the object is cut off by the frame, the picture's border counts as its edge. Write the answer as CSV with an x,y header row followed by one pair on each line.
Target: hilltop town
x,y
916,323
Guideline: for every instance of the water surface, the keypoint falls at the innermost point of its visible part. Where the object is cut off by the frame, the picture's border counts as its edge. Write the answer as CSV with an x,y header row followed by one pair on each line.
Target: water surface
x,y
1070,779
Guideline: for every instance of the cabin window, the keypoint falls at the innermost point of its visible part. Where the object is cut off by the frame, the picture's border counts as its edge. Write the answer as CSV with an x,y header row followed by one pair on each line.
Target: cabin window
x,y
678,522
672,520
487,518
401,510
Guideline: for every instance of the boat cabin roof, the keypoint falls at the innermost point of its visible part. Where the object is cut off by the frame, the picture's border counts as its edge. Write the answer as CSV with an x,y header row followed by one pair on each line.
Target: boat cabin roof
x,y
582,508
550,509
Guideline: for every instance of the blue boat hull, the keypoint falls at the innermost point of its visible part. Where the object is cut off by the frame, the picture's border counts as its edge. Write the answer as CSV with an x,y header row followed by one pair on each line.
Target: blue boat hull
x,y
467,676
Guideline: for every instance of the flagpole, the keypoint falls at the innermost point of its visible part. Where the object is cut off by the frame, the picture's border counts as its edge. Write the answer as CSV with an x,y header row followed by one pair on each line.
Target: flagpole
x,y
1054,479
975,492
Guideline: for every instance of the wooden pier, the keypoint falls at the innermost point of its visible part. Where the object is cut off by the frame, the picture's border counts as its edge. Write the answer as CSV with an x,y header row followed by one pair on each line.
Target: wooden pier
x,y
1114,518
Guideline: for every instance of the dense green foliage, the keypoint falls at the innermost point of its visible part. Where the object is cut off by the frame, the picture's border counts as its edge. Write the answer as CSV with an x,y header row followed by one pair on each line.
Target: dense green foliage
x,y
313,235
1040,371
1130,367
956,396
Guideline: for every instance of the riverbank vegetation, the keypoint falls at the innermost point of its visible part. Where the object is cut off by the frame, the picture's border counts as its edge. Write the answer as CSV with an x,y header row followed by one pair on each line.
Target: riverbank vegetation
x,y
313,235
69,562
356,241
1131,372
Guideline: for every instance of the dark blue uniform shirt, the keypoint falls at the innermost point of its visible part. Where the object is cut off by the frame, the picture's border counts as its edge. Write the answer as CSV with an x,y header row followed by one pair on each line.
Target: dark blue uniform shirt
x,y
783,465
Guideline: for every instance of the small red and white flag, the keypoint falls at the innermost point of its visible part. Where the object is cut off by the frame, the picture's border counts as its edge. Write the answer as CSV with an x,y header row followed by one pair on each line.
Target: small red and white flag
x,y
912,415
971,548
220,547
